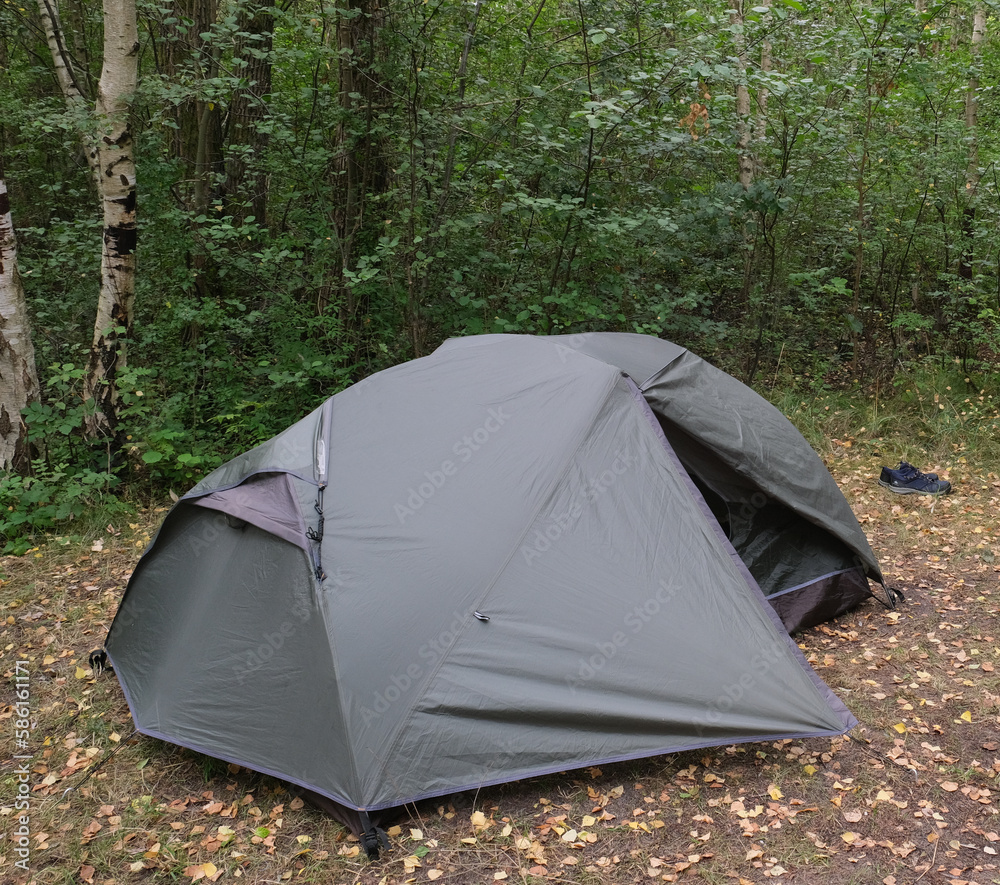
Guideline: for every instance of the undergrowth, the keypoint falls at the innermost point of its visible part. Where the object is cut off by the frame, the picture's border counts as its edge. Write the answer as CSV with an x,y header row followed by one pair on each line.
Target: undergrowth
x,y
927,414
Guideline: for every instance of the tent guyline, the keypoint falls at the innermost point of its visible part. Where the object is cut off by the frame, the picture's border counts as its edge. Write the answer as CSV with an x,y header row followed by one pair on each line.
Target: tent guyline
x,y
550,553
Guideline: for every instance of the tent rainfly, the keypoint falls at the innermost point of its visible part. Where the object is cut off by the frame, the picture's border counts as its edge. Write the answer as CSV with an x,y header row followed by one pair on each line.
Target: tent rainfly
x,y
515,556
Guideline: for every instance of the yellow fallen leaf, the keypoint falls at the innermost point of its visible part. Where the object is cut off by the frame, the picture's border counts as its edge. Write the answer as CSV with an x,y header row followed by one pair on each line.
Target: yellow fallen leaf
x,y
900,727
506,831
479,820
435,874
416,834
81,673
809,769
966,716
48,659
774,793
848,837
394,831
498,876
588,820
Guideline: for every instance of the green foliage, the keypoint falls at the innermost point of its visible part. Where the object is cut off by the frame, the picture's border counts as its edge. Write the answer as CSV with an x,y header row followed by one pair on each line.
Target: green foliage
x,y
51,497
325,191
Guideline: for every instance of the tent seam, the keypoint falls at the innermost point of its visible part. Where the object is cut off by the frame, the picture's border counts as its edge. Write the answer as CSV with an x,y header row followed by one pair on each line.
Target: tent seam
x,y
804,584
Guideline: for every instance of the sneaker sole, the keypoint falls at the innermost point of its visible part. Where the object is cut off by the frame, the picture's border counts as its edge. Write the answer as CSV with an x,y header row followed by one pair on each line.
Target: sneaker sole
x,y
901,490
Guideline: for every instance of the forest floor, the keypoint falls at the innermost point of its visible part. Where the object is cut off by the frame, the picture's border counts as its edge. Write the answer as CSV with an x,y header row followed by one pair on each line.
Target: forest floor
x,y
911,795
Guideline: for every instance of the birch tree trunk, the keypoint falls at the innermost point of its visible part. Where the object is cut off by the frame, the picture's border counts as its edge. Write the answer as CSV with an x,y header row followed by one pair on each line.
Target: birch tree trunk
x,y
972,131
113,325
763,93
743,121
69,85
18,376
109,154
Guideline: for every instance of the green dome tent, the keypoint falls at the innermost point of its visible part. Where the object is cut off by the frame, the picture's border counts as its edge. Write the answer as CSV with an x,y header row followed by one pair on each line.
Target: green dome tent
x,y
517,555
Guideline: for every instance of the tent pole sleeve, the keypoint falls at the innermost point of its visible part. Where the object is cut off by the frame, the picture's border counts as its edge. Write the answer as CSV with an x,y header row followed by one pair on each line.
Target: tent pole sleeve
x,y
323,443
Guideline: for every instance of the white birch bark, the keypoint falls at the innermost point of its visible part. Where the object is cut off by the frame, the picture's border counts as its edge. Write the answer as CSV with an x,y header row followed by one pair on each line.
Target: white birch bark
x,y
113,325
763,93
18,376
972,101
48,11
744,133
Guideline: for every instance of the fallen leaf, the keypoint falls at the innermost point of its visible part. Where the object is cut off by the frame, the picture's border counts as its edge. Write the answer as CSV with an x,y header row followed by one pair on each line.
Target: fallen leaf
x,y
949,786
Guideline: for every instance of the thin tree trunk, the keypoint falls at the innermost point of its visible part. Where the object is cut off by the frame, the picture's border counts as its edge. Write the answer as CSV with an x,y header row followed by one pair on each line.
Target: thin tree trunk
x,y
245,190
109,154
67,79
763,93
972,130
113,325
18,376
462,69
743,121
